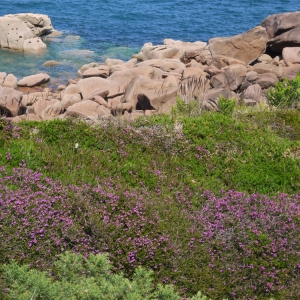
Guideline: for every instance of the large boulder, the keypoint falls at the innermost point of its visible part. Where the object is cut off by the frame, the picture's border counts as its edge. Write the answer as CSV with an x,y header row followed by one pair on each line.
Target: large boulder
x,y
290,38
16,29
88,109
71,89
171,49
291,72
227,80
93,86
120,79
39,24
70,99
280,23
193,72
40,104
100,71
53,110
291,55
13,33
34,80
10,102
262,68
221,61
166,65
246,47
252,92
266,80
146,94
9,80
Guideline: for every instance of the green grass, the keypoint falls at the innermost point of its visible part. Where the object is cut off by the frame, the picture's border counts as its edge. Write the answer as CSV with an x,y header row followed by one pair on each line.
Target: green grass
x,y
254,152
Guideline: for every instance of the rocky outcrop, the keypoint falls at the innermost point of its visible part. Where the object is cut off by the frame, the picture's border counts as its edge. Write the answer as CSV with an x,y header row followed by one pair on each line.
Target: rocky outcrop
x,y
16,30
242,67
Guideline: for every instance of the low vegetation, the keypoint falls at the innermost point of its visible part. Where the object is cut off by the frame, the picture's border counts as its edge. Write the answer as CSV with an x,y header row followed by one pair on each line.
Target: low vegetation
x,y
204,203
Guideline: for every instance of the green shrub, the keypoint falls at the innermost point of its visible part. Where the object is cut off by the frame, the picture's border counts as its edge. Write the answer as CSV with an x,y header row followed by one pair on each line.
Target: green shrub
x,y
226,106
77,277
185,109
285,94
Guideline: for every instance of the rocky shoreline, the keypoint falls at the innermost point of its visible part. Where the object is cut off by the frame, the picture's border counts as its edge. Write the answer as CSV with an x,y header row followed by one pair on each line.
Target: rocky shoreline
x,y
242,67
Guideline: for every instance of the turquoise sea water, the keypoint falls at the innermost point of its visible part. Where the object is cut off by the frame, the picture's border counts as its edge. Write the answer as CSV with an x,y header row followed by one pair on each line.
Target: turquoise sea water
x,y
119,28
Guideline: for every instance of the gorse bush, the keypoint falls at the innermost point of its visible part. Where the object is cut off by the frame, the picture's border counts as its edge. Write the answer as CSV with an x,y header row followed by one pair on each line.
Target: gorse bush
x,y
285,94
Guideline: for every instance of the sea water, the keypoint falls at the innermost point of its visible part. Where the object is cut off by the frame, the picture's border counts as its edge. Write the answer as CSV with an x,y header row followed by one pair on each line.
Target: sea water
x,y
101,29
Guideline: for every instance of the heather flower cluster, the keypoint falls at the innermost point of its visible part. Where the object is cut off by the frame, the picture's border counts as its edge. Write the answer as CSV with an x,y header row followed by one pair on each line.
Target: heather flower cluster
x,y
42,218
249,244
253,241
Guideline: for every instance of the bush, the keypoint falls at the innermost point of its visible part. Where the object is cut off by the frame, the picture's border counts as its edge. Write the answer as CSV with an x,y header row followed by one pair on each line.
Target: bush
x,y
82,278
227,245
226,106
285,94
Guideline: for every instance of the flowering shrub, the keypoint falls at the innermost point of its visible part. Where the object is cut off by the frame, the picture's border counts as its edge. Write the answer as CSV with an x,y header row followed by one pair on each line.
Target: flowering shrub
x,y
136,191
233,245
41,218
253,242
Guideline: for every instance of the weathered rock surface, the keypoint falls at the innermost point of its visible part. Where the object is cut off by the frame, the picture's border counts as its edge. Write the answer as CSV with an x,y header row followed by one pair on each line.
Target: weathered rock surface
x,y
221,61
266,80
15,30
100,71
262,68
279,23
34,80
291,55
170,49
87,109
10,102
252,92
246,47
39,24
94,86
13,33
147,94
227,80
211,98
35,45
290,38
70,99
9,80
